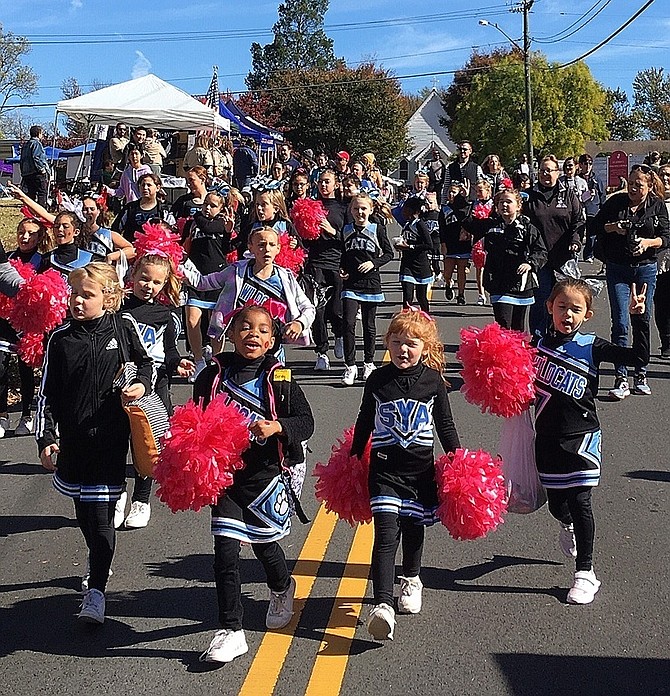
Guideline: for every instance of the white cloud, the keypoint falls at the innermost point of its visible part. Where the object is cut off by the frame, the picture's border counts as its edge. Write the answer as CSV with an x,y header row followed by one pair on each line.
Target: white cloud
x,y
76,4
142,65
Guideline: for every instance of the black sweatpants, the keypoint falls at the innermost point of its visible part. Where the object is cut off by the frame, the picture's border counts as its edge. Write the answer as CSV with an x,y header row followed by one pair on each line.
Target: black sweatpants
x,y
227,576
96,521
510,316
390,528
662,308
369,320
330,311
408,290
573,506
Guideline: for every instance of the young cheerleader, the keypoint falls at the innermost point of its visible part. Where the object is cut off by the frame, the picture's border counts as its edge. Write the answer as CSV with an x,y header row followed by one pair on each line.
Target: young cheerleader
x,y
481,208
78,401
154,279
415,243
568,436
32,237
255,509
148,207
365,250
456,249
258,281
67,256
404,403
431,218
515,251
269,210
208,241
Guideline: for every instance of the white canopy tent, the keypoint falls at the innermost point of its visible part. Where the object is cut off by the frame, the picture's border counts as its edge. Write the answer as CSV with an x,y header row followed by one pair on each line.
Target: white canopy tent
x,y
146,101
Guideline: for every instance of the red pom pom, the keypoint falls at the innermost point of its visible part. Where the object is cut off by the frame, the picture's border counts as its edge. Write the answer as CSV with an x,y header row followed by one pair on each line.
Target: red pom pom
x,y
343,483
293,259
482,210
307,215
41,303
231,257
478,254
30,349
157,239
498,371
472,493
199,456
26,271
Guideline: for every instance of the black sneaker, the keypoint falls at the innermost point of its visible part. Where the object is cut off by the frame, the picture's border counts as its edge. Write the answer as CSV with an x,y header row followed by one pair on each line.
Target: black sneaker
x,y
448,293
460,300
665,352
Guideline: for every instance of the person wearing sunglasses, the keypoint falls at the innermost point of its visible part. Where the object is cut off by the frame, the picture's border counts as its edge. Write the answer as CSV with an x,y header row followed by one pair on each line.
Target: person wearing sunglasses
x,y
632,227
556,211
464,169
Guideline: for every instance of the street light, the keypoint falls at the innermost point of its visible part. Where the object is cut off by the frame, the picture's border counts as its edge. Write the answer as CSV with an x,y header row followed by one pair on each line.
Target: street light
x,y
525,49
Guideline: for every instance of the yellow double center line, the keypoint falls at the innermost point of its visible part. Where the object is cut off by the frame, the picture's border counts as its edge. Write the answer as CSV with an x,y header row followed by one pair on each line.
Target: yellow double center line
x,y
331,662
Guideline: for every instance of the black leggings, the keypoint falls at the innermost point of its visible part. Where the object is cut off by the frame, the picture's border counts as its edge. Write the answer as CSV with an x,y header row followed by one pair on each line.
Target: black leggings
x,y
510,316
368,317
408,290
389,529
27,376
330,311
96,521
573,506
227,576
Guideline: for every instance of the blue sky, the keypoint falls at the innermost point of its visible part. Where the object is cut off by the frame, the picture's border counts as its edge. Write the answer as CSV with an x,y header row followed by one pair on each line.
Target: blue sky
x,y
427,37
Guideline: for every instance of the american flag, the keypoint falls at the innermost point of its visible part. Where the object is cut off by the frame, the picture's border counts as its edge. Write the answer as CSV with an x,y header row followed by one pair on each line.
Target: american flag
x,y
212,96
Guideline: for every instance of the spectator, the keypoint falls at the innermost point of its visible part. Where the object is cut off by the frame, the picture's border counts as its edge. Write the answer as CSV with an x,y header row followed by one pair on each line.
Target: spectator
x,y
372,171
342,164
128,186
436,172
137,140
154,152
34,166
117,144
200,154
286,157
593,201
463,169
494,172
222,158
245,163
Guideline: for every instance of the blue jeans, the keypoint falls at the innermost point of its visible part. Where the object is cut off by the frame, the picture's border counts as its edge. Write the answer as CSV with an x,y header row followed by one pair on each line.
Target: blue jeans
x,y
619,281
539,315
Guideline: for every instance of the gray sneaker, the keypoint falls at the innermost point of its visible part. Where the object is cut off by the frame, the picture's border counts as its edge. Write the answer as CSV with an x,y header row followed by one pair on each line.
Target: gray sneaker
x,y
93,607
280,610
640,385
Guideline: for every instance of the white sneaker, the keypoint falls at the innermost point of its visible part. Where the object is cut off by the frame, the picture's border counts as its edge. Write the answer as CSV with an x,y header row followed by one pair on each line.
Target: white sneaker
x,y
439,281
368,369
481,300
566,540
120,510
200,365
139,515
350,375
85,579
640,385
225,646
4,425
381,622
26,426
584,588
322,363
620,390
93,607
280,611
339,348
409,601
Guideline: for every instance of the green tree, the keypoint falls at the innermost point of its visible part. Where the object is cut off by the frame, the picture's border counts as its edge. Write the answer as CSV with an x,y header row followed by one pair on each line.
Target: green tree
x,y
623,121
16,79
651,89
300,43
357,109
568,107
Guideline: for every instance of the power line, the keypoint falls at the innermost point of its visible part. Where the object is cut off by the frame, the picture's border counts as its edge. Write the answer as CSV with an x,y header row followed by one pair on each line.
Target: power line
x,y
557,37
611,36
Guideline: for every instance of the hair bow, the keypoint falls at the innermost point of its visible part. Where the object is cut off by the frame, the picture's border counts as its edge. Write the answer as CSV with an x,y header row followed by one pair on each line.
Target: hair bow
x,y
275,309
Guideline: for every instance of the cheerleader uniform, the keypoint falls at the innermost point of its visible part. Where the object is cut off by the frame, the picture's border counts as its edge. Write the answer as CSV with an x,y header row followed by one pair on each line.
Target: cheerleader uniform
x,y
415,271
77,396
279,225
568,436
101,243
133,216
255,509
210,243
507,247
451,216
361,244
431,219
65,258
402,409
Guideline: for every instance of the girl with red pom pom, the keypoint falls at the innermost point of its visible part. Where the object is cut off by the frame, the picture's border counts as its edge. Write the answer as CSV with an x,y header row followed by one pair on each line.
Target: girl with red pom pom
x,y
255,509
515,252
568,440
404,404
80,417
155,283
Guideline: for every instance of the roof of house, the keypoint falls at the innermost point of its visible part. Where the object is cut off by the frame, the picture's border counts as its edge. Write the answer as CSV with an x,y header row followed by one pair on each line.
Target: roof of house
x,y
424,128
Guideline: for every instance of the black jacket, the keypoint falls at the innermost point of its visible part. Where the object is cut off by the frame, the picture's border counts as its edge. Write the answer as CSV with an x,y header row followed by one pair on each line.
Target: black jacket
x,y
370,243
81,361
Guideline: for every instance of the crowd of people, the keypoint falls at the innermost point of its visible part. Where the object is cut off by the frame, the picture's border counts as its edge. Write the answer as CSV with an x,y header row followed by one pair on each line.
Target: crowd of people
x,y
227,283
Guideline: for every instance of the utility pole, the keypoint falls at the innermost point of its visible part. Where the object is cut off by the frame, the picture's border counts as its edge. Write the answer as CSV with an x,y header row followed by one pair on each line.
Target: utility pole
x,y
527,4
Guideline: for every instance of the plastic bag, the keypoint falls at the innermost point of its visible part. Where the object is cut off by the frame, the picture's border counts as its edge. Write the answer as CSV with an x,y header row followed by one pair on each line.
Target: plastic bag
x,y
517,450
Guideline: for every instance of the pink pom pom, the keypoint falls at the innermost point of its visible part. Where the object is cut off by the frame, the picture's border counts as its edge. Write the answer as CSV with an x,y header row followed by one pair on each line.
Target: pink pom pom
x,y
231,257
293,259
157,239
30,349
307,215
498,371
199,456
343,483
41,303
478,254
472,493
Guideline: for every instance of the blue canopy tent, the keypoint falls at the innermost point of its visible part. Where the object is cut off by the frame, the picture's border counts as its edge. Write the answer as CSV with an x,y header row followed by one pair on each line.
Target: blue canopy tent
x,y
264,136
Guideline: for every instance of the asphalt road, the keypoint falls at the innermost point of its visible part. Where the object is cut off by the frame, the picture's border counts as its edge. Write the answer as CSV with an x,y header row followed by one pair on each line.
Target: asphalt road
x,y
494,621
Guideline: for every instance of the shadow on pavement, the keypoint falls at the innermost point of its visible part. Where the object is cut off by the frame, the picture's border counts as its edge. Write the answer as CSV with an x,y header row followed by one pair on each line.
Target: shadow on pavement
x,y
649,475
19,524
21,468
